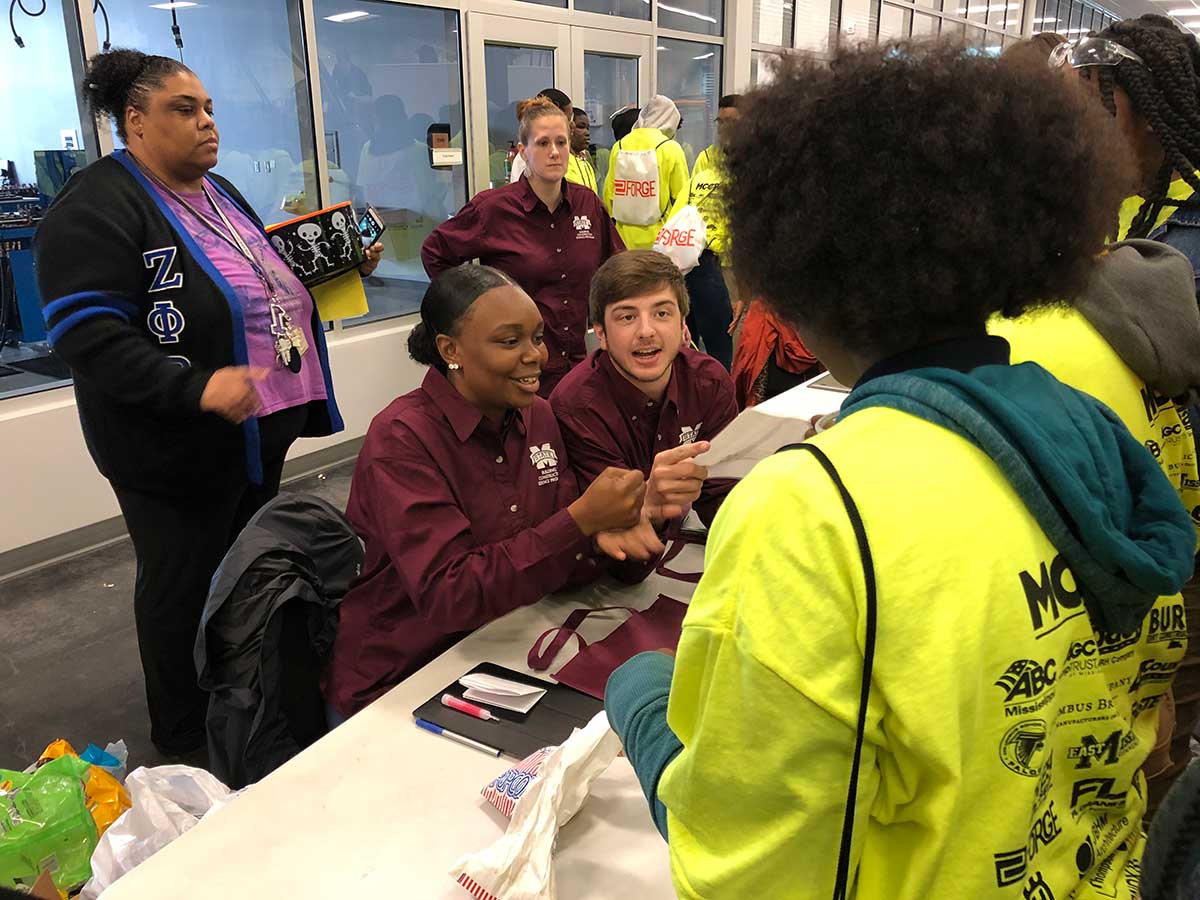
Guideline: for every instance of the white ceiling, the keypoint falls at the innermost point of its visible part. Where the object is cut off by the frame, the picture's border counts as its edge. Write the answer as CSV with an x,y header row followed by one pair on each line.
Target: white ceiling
x,y
1131,9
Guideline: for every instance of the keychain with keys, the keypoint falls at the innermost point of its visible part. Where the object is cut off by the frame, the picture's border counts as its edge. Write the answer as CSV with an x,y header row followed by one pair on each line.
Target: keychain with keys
x,y
290,343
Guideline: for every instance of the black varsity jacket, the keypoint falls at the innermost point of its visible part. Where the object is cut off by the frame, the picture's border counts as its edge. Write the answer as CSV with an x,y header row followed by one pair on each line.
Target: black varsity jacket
x,y
143,318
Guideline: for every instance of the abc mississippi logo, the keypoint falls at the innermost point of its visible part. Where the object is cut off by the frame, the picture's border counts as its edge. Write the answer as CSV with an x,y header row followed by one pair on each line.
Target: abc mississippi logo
x,y
1028,686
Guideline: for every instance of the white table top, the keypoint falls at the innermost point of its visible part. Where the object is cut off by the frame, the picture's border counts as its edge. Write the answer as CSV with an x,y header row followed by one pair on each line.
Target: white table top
x,y
380,808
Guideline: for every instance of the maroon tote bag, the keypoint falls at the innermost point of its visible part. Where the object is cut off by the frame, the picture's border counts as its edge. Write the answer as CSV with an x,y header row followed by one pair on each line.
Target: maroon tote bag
x,y
651,629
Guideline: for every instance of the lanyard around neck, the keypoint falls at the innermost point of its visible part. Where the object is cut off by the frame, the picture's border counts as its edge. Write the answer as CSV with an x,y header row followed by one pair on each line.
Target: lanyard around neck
x,y
226,232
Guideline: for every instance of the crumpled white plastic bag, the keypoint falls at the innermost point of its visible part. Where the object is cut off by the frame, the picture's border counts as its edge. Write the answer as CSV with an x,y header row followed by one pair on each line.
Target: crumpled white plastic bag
x,y
519,866
167,801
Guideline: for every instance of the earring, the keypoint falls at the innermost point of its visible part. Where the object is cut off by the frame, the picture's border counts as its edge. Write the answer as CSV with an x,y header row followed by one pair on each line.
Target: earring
x,y
453,367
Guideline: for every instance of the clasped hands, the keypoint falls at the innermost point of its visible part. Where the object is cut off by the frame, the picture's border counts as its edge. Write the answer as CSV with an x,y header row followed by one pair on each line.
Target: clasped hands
x,y
673,486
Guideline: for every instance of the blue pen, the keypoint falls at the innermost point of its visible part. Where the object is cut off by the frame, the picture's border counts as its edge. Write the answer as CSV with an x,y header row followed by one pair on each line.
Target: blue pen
x,y
458,738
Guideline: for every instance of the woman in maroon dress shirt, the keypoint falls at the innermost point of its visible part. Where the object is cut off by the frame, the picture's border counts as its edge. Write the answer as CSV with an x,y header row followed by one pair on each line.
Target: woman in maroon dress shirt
x,y
547,234
462,492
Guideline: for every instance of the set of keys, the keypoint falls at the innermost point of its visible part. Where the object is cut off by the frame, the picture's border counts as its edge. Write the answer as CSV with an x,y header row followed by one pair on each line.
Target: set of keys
x,y
290,342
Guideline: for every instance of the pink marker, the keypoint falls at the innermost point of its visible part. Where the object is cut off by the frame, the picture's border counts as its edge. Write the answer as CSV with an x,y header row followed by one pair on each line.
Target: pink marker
x,y
464,707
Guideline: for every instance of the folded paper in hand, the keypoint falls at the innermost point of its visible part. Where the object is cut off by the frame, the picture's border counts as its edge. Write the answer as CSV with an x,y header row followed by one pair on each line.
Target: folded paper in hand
x,y
492,691
751,437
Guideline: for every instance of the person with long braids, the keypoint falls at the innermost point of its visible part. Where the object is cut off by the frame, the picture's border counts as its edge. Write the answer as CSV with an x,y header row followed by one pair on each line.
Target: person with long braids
x,y
1146,73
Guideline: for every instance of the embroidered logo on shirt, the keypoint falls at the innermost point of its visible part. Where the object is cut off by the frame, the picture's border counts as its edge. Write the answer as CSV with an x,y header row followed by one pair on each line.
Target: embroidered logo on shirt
x,y
166,322
689,433
545,460
583,228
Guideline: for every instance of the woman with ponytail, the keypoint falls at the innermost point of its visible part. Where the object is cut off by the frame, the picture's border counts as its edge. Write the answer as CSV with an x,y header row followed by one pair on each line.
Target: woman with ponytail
x,y
197,355
462,492
546,233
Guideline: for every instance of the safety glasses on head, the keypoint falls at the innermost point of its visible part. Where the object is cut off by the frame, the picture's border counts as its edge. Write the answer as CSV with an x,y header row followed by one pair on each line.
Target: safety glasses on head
x,y
1090,51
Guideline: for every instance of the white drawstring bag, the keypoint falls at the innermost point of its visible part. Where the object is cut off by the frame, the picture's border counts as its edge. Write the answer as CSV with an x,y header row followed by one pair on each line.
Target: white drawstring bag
x,y
683,238
635,186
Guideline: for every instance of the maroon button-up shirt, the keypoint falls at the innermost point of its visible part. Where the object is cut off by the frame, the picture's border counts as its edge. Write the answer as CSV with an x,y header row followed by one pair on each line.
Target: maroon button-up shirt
x,y
462,521
607,421
551,255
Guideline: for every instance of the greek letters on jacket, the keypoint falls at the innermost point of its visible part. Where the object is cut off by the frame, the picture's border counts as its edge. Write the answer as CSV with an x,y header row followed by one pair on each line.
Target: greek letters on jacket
x,y
143,318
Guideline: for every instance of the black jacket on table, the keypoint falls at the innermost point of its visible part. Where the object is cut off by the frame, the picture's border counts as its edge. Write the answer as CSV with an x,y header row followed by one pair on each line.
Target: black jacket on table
x,y
143,318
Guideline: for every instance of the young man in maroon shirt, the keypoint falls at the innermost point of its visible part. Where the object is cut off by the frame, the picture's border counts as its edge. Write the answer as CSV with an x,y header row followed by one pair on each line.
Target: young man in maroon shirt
x,y
640,399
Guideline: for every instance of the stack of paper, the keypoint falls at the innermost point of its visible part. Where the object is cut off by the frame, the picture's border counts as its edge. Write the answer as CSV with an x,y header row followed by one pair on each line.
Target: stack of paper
x,y
489,690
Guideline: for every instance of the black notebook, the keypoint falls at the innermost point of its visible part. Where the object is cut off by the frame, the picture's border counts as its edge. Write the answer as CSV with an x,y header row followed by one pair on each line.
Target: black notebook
x,y
514,734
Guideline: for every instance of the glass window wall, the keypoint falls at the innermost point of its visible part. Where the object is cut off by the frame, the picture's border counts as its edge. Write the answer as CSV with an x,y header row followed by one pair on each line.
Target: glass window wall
x,y
249,56
699,16
690,74
40,145
388,78
773,22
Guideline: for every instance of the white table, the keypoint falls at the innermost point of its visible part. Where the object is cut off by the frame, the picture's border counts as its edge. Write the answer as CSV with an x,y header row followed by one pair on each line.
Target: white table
x,y
379,808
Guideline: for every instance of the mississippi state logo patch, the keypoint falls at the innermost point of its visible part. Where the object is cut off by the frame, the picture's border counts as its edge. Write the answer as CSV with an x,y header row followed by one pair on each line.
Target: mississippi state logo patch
x,y
545,460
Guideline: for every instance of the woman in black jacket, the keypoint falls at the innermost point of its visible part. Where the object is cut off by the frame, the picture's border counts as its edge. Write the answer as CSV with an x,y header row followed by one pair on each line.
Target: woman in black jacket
x,y
198,356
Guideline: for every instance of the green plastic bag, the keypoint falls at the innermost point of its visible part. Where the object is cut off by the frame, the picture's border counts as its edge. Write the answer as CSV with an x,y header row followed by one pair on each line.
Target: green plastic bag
x,y
45,825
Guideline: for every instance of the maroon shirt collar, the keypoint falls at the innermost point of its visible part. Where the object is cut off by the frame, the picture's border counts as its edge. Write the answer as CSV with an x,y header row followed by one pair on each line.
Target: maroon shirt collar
x,y
463,417
528,199
628,396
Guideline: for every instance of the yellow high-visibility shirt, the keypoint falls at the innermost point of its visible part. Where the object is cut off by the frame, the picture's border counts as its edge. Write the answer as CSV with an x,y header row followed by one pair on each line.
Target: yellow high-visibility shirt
x,y
582,172
704,191
1065,343
1003,735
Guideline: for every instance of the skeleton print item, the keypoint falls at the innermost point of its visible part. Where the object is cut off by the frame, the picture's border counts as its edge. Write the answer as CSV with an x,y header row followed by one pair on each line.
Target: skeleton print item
x,y
319,246
285,250
313,248
340,237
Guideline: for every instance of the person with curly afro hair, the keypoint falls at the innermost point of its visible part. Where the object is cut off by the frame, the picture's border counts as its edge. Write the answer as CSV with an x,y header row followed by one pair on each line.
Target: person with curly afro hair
x,y
889,683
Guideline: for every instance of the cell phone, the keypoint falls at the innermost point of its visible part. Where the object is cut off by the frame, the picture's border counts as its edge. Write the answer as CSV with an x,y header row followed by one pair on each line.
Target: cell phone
x,y
370,226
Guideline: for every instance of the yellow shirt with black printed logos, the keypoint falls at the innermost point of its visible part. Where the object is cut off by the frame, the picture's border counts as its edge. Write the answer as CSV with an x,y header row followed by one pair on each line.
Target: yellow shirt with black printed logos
x,y
1003,736
1066,344
704,192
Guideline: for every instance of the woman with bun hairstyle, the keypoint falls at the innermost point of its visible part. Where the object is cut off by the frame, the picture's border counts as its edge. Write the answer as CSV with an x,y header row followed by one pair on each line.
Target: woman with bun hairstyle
x,y
546,233
463,493
197,355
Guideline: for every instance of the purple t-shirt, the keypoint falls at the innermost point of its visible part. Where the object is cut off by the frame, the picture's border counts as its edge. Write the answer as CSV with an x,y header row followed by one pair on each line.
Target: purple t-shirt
x,y
281,389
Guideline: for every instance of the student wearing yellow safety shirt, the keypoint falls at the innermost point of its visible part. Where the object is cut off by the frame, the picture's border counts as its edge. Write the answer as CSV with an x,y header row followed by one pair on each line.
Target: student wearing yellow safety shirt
x,y
922,661
1130,340
1145,73
580,169
647,171
711,317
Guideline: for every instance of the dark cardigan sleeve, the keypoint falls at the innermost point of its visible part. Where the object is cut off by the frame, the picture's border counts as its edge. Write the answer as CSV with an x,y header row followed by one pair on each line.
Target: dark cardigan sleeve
x,y
93,282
